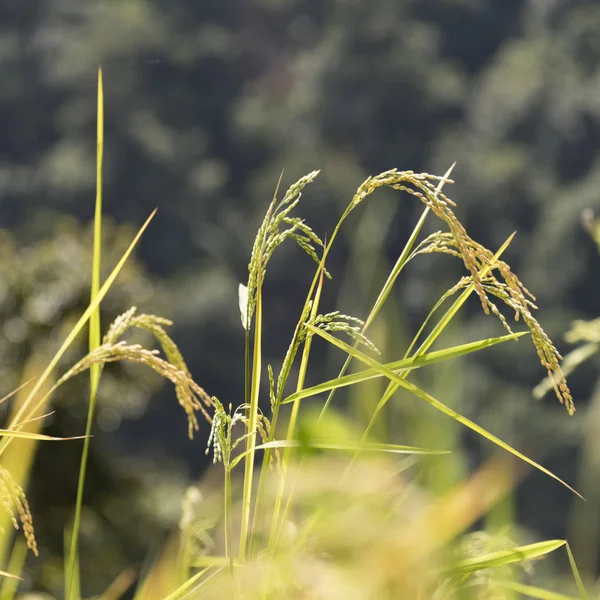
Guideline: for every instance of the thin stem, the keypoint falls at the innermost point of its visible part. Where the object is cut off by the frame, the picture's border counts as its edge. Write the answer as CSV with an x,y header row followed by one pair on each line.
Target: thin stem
x,y
276,525
267,455
253,418
227,517
94,339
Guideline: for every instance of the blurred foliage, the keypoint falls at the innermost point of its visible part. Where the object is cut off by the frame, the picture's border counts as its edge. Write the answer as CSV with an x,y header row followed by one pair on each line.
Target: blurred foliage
x,y
206,103
45,288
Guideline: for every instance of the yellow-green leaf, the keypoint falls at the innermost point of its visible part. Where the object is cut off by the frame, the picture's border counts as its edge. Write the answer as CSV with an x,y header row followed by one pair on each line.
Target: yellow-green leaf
x,y
405,364
411,387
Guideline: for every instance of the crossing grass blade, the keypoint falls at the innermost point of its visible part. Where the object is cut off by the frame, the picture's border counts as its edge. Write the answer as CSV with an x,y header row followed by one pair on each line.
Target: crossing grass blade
x,y
436,331
402,365
397,379
393,276
451,312
27,411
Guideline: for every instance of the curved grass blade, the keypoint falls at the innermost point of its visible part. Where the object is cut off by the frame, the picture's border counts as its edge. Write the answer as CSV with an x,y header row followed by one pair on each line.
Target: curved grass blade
x,y
402,365
400,381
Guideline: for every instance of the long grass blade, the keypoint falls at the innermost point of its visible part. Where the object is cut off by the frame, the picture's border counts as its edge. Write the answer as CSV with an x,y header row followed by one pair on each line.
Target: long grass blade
x,y
18,419
122,582
404,364
399,380
94,335
278,519
373,447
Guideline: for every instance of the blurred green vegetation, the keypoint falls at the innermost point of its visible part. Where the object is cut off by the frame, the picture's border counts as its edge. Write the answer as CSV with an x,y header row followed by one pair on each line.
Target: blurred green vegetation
x,y
206,103
44,291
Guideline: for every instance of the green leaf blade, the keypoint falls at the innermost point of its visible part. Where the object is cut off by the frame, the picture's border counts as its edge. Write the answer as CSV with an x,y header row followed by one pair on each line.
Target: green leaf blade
x,y
436,403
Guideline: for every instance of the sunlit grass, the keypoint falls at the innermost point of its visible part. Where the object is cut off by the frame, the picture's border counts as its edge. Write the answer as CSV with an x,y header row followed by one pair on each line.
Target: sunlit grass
x,y
321,508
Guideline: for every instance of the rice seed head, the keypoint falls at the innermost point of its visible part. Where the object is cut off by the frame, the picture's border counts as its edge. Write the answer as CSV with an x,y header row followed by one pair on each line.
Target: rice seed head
x,y
335,321
499,280
190,395
218,438
277,226
288,361
221,439
12,494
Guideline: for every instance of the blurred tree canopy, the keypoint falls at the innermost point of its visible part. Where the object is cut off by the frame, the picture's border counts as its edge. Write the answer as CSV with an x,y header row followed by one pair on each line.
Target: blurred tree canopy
x,y
207,102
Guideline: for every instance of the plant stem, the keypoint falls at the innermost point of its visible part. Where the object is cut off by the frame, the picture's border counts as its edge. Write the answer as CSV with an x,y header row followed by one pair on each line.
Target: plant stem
x,y
94,340
253,418
227,516
276,525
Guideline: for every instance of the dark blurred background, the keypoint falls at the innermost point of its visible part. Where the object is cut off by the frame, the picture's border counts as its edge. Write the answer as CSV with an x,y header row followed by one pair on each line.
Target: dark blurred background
x,y
206,103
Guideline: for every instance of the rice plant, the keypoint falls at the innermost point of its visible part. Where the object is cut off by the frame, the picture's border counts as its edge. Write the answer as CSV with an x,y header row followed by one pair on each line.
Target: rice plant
x,y
293,538
324,510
